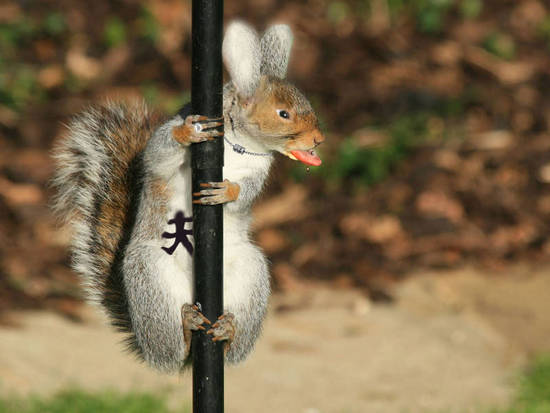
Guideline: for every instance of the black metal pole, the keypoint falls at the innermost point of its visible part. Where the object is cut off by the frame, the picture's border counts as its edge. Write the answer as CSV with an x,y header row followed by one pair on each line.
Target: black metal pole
x,y
207,163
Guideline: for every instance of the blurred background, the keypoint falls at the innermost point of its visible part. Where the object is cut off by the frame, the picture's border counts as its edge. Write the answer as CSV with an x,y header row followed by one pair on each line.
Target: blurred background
x,y
411,270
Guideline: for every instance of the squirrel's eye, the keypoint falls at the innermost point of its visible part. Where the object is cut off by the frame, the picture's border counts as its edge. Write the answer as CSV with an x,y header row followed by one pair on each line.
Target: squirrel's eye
x,y
283,113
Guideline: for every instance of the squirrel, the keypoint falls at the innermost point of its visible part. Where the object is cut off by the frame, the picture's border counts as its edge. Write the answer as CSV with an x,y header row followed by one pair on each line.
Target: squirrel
x,y
123,180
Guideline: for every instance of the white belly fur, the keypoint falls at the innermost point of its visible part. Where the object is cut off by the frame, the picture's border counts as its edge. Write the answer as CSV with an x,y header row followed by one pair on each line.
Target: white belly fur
x,y
243,261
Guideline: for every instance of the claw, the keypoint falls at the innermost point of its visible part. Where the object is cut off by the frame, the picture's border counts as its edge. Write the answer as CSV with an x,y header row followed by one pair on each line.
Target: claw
x,y
211,200
223,330
218,338
209,192
208,125
201,118
214,184
201,315
218,193
192,320
197,129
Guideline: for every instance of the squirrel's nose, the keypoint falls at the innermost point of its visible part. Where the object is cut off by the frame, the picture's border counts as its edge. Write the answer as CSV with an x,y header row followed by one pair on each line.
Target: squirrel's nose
x,y
319,138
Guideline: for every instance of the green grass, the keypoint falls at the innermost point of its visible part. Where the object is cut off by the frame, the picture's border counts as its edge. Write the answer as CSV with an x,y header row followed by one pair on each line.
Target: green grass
x,y
77,401
544,30
148,26
533,397
114,32
501,45
534,389
19,81
366,166
357,165
430,16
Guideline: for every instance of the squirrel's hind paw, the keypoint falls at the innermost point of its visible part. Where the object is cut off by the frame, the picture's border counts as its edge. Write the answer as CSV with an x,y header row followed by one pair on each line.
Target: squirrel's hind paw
x,y
192,320
224,330
196,129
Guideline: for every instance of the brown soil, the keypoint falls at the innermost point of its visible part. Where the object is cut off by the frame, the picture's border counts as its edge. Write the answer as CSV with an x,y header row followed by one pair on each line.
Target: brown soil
x,y
474,189
452,341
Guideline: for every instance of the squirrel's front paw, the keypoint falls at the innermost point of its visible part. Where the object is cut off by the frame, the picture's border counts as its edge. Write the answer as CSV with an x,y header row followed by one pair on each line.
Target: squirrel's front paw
x,y
197,128
192,320
217,193
224,330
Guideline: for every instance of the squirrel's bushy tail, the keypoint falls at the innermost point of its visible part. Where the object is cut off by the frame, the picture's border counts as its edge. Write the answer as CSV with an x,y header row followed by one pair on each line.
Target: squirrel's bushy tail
x,y
98,181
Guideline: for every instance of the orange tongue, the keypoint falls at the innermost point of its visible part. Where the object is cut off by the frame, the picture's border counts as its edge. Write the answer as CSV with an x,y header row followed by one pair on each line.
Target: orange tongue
x,y
307,157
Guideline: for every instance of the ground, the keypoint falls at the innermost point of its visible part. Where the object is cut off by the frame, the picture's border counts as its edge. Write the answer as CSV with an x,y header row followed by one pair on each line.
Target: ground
x,y
454,341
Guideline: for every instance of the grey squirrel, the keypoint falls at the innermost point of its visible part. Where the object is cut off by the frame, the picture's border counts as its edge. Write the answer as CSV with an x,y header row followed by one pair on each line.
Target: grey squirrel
x,y
123,181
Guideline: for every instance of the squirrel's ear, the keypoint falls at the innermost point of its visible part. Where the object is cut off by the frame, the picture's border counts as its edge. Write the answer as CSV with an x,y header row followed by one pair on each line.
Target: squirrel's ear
x,y
275,45
242,57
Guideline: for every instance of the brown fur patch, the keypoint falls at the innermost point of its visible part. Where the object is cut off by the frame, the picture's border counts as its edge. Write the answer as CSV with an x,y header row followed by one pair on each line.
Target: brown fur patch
x,y
110,226
122,143
233,191
154,219
182,134
159,190
276,94
305,140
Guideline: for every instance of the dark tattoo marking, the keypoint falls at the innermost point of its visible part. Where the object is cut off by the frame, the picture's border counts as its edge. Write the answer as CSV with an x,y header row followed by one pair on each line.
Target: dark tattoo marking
x,y
180,234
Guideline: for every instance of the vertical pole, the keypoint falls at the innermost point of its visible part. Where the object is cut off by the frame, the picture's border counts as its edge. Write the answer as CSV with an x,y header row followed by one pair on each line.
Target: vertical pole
x,y
207,163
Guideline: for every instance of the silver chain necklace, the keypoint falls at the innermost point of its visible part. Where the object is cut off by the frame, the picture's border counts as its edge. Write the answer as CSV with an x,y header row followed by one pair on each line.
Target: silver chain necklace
x,y
241,150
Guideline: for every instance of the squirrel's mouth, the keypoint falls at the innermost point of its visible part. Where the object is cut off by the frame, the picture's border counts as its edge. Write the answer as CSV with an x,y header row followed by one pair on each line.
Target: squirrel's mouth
x,y
309,157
